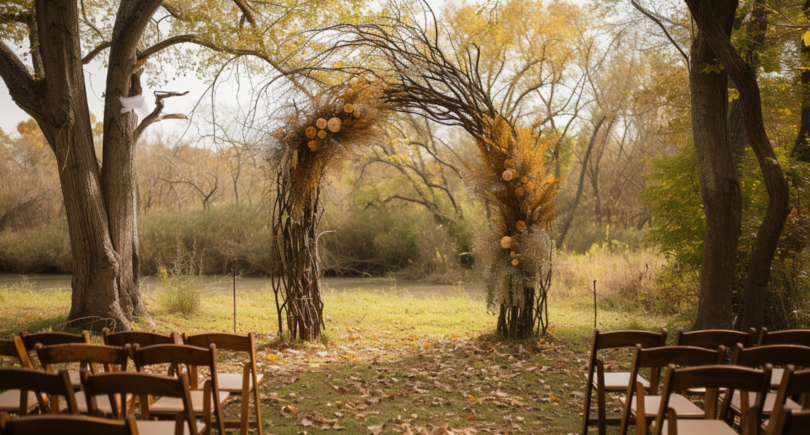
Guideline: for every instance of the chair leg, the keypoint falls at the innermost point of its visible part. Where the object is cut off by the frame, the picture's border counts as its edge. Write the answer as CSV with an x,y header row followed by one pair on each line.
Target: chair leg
x,y
587,413
245,400
600,398
257,405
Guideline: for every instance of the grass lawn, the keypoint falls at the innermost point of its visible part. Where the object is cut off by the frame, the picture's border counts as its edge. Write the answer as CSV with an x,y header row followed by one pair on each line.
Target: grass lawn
x,y
396,358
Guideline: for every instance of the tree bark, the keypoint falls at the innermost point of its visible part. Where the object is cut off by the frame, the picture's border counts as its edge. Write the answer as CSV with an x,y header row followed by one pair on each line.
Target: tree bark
x,y
65,122
99,202
770,230
801,150
719,179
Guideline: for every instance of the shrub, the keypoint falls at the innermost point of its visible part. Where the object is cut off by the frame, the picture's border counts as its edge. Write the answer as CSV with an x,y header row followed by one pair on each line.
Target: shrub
x,y
181,294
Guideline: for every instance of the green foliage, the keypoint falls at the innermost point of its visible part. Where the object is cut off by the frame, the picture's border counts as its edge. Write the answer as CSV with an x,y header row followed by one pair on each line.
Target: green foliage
x,y
673,195
180,295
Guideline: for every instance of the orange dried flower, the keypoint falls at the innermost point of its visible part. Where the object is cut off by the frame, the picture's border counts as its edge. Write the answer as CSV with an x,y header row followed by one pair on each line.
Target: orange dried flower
x,y
506,242
321,123
521,226
313,145
311,132
322,134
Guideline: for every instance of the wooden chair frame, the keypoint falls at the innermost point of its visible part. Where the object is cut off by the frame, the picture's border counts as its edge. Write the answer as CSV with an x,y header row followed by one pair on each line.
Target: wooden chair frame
x,y
790,422
714,378
120,385
191,357
785,336
711,338
29,342
141,338
655,359
596,368
66,425
47,387
250,381
795,384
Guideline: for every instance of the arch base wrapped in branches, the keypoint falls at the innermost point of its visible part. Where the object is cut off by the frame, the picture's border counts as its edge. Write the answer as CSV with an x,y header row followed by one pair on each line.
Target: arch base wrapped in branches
x,y
314,136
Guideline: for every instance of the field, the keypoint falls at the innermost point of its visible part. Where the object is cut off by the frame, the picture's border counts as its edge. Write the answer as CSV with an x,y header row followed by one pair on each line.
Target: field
x,y
397,356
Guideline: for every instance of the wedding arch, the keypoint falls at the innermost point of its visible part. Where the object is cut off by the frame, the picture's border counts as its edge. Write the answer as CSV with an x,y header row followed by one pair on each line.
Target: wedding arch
x,y
414,75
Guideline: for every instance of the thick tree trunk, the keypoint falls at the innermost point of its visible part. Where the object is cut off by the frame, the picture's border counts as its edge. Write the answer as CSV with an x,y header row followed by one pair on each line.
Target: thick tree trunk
x,y
770,230
65,121
801,150
118,172
719,179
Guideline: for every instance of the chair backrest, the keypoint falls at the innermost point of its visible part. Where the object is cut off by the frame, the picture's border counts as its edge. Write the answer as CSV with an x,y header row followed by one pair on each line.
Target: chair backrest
x,y
711,338
118,385
142,338
9,350
774,354
786,336
790,422
714,377
229,342
626,339
29,342
192,357
795,384
40,382
112,358
656,358
66,425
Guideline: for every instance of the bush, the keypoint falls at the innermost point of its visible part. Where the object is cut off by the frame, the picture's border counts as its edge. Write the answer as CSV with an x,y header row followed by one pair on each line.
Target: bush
x,y
181,294
37,250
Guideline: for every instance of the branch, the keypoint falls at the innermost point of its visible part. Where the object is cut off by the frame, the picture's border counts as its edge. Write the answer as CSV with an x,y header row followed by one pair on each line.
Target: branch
x,y
21,85
657,21
156,115
94,52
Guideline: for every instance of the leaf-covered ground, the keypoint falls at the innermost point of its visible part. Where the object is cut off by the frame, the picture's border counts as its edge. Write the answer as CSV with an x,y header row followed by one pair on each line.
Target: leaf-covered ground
x,y
397,359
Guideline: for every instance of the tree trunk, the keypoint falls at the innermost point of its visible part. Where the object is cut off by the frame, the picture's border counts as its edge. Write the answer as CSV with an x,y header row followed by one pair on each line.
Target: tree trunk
x,y
801,150
65,121
719,179
770,230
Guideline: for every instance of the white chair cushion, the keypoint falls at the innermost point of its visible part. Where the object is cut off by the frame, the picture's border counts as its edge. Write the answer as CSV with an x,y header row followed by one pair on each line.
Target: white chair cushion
x,y
683,406
232,382
10,401
172,405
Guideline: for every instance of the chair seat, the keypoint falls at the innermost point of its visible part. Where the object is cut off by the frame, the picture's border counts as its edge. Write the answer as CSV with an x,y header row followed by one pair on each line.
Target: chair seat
x,y
153,427
776,377
75,379
767,408
173,405
683,406
701,427
10,401
618,381
232,382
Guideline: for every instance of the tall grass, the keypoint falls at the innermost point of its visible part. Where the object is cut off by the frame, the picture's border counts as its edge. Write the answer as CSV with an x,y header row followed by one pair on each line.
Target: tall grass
x,y
180,295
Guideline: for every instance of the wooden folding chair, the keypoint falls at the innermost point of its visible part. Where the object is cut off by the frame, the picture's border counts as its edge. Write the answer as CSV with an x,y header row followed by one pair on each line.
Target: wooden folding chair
x,y
29,342
190,358
612,382
141,338
791,423
10,400
711,338
642,405
142,385
89,357
778,356
785,336
48,389
795,385
246,383
66,425
712,378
